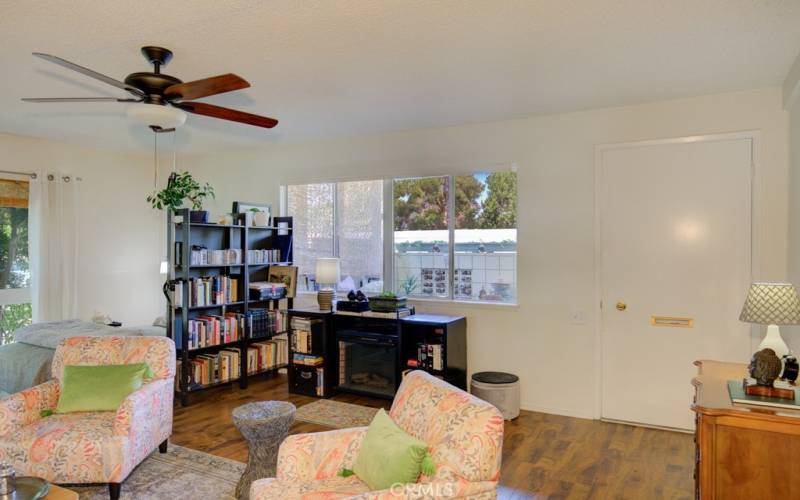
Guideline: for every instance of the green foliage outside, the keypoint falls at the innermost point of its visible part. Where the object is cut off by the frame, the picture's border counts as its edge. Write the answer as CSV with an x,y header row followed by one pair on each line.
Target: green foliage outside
x,y
421,204
14,270
12,317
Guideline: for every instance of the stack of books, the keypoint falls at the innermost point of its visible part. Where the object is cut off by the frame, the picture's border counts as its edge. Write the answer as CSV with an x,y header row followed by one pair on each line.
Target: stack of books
x,y
261,290
307,359
302,341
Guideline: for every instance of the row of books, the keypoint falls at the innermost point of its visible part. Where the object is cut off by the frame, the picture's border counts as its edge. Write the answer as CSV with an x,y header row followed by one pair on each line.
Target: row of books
x,y
201,256
306,359
302,341
208,290
267,355
206,369
225,365
262,290
263,256
266,322
429,357
209,330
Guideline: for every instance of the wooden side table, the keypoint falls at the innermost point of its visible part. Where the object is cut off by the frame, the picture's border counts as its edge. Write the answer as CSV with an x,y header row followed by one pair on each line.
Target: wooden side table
x,y
743,452
60,493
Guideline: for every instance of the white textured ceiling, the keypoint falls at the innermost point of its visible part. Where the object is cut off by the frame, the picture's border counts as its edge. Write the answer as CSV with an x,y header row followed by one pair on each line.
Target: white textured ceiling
x,y
352,67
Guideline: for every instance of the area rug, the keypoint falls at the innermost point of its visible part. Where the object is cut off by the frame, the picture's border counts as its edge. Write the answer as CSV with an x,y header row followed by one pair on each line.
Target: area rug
x,y
181,473
335,414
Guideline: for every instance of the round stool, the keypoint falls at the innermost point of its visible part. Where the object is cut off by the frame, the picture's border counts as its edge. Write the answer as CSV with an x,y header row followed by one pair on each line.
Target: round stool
x,y
264,424
498,388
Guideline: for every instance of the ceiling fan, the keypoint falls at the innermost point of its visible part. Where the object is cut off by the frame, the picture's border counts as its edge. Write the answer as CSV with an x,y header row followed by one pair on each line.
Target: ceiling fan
x,y
163,98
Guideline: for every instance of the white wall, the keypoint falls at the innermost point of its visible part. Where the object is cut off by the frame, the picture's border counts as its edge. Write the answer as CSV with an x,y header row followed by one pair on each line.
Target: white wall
x,y
120,236
554,357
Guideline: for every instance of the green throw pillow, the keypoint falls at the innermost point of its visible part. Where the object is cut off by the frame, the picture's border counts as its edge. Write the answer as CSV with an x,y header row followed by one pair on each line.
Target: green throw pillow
x,y
389,455
99,388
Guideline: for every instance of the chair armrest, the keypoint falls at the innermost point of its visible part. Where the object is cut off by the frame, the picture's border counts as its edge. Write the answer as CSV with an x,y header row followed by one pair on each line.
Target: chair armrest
x,y
25,407
318,455
483,490
145,418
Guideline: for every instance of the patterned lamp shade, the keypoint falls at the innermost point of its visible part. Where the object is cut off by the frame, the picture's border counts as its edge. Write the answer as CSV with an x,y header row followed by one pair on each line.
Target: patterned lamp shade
x,y
771,304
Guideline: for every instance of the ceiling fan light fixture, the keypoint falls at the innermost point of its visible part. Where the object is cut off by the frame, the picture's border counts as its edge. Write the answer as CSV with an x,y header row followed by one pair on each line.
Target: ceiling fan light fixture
x,y
156,115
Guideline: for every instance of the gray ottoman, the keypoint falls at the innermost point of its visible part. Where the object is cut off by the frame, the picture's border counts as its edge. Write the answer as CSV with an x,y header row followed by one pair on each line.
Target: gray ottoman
x,y
500,389
264,424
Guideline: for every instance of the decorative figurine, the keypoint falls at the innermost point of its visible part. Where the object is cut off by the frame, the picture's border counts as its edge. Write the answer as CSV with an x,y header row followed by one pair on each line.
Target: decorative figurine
x,y
765,367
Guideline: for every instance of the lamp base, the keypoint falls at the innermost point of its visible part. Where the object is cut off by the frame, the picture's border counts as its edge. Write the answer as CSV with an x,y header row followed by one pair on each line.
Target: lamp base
x,y
772,340
325,300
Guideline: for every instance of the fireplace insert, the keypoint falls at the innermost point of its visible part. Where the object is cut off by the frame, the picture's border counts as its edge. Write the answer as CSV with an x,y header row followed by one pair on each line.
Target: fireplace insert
x,y
368,362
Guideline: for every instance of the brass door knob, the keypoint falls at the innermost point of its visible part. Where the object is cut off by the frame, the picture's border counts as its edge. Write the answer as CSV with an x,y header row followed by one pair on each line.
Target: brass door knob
x,y
621,306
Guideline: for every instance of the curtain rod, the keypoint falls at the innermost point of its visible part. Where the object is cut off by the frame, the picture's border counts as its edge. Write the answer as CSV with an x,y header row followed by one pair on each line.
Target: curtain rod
x,y
34,175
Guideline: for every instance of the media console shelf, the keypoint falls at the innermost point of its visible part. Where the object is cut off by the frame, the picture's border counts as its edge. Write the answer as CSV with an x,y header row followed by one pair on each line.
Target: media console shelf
x,y
375,353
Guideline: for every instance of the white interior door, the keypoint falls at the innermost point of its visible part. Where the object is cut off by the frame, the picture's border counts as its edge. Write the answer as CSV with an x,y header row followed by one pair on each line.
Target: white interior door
x,y
674,242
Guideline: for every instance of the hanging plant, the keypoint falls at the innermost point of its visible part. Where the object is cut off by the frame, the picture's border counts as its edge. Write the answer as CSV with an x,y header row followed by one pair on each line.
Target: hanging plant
x,y
181,188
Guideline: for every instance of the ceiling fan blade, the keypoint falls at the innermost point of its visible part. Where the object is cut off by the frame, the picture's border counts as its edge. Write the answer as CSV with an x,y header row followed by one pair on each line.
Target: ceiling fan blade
x,y
206,87
90,73
77,99
201,108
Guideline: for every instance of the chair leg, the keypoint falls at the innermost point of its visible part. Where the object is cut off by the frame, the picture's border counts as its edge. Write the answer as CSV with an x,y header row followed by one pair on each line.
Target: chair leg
x,y
114,490
162,448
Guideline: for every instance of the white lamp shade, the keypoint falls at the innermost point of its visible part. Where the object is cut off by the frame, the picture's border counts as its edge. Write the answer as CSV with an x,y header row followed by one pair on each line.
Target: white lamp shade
x,y
156,115
771,304
327,270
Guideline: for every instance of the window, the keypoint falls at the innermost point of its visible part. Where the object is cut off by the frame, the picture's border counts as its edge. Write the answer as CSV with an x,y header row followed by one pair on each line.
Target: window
x,y
483,240
15,277
453,237
344,220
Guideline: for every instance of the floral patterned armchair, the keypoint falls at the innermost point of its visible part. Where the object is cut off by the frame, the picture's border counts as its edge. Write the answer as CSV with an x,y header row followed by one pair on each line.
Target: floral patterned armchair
x,y
91,447
465,436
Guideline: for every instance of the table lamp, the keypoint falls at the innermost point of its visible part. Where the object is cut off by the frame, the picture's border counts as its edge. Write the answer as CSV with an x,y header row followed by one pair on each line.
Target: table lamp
x,y
327,277
772,304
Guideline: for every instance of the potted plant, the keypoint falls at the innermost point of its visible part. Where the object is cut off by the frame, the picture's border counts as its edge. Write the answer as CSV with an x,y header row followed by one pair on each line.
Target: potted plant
x,y
260,217
182,187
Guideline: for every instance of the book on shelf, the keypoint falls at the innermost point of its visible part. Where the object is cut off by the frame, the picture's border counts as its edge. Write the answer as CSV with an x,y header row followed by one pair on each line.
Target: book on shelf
x,y
209,330
307,359
303,323
320,382
202,256
302,341
207,369
429,357
269,256
265,322
267,355
207,290
260,290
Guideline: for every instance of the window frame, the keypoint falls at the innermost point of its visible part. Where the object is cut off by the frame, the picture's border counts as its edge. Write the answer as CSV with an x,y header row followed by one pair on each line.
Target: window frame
x,y
388,230
12,296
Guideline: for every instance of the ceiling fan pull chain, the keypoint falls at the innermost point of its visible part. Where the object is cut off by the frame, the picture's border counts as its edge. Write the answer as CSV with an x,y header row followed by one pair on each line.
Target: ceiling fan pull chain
x,y
174,151
155,159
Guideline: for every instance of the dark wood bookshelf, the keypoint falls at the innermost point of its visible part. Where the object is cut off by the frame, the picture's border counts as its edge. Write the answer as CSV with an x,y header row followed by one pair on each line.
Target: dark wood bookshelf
x,y
221,237
303,378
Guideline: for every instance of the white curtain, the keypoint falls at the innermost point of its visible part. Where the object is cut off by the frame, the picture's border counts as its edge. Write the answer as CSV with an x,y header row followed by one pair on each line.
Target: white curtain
x,y
53,246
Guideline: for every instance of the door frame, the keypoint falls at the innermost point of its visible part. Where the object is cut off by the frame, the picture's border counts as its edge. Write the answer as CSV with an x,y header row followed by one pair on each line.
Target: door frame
x,y
755,242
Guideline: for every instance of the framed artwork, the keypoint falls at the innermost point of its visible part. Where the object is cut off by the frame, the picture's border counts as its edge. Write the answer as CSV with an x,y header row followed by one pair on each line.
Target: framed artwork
x,y
286,275
245,207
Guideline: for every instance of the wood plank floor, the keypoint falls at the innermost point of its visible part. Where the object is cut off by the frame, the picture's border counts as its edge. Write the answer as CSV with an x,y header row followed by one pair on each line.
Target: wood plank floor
x,y
544,456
